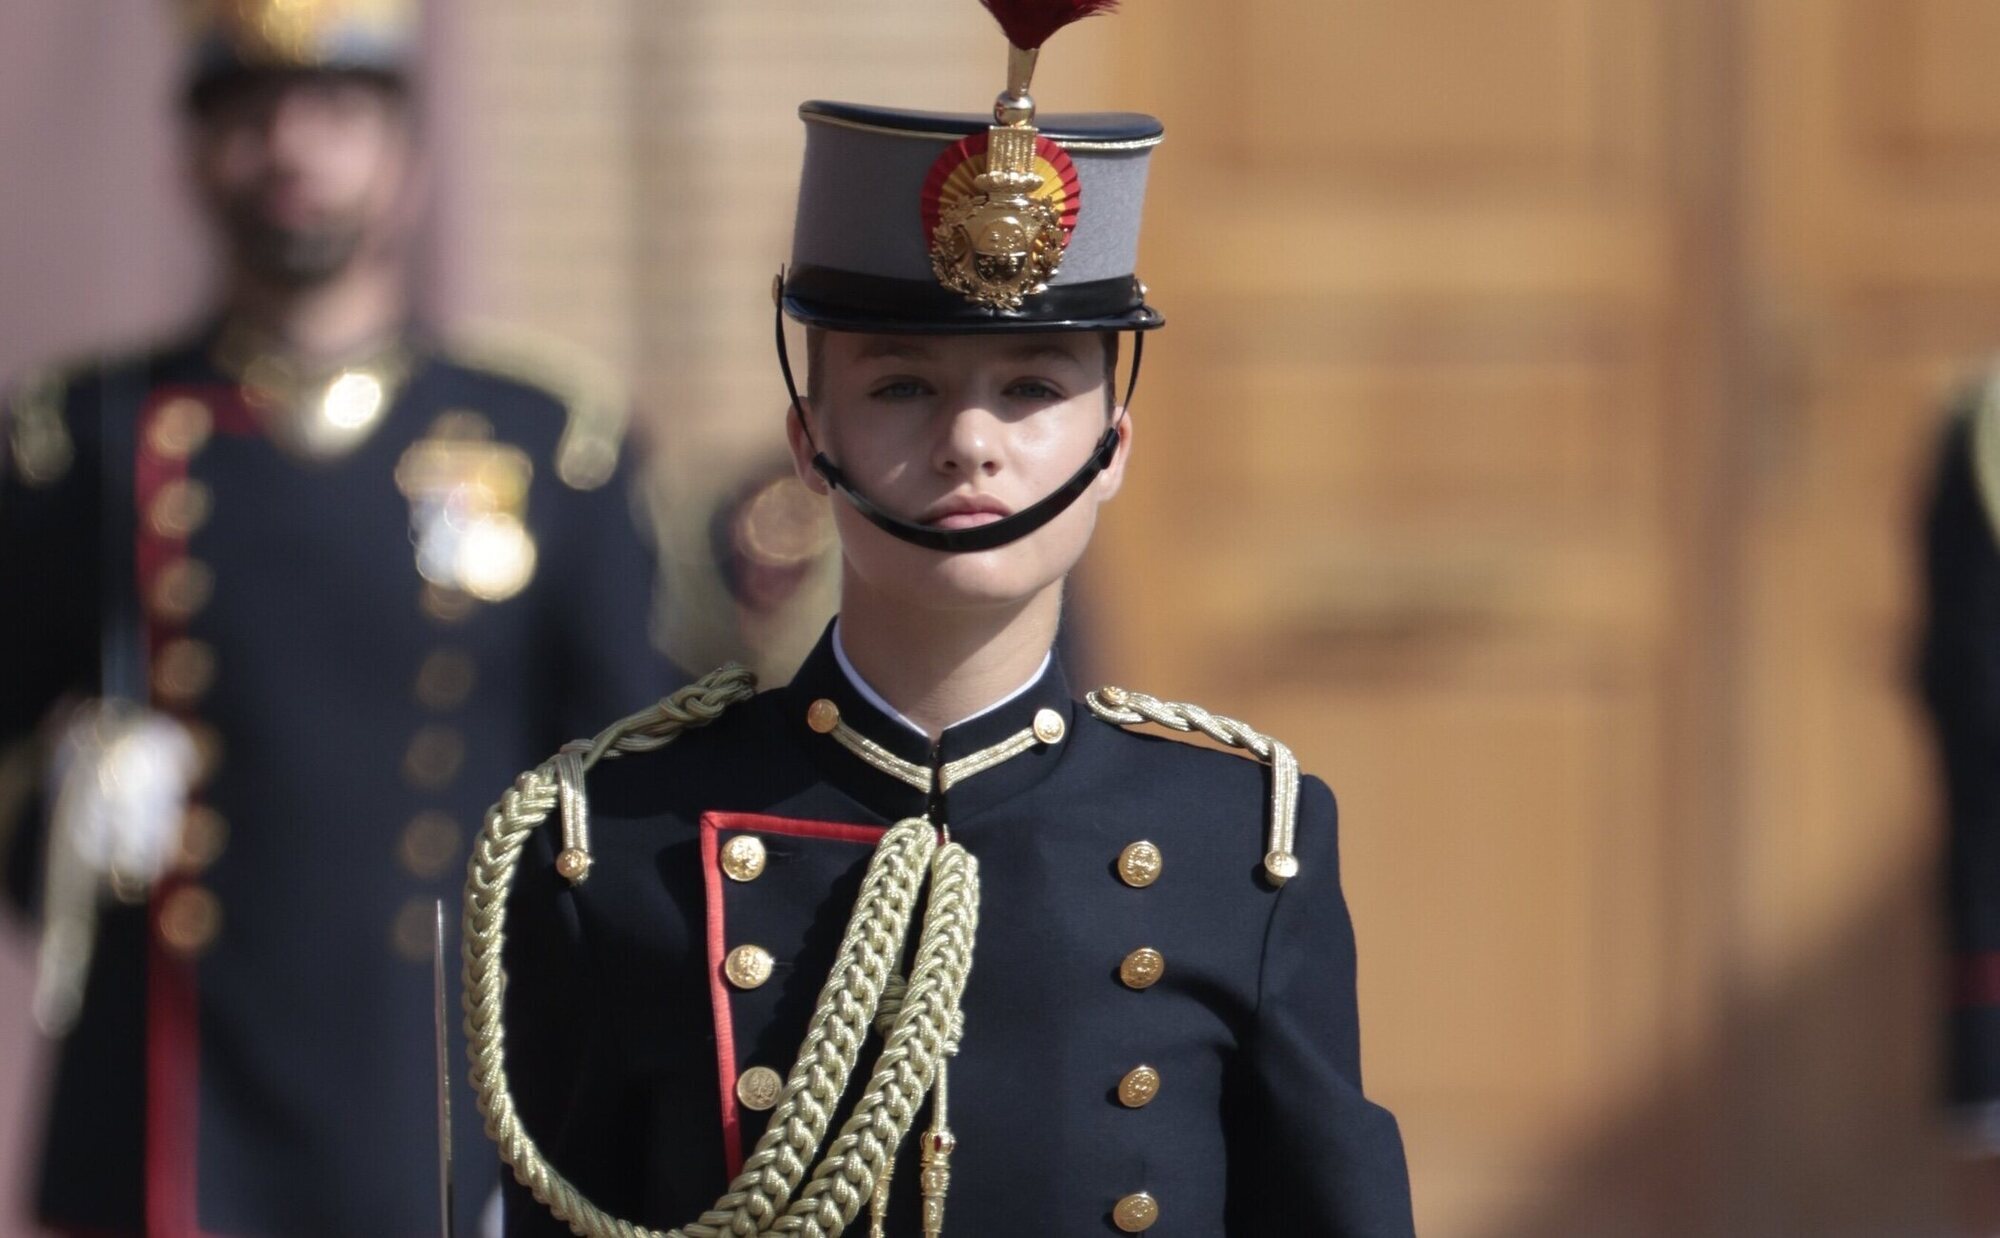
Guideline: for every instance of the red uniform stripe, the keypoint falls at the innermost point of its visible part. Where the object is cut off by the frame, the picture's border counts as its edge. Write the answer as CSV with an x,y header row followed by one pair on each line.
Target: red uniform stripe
x,y
713,825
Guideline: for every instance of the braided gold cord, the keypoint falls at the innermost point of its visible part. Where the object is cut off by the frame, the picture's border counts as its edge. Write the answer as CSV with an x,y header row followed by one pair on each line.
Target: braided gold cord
x,y
927,1029
869,952
489,879
1127,708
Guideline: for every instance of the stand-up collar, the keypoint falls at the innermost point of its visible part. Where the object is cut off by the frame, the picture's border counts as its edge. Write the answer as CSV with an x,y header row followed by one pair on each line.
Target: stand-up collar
x,y
892,770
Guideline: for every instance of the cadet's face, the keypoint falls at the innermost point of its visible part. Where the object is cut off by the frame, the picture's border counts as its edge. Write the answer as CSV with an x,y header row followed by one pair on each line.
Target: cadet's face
x,y
955,432
301,173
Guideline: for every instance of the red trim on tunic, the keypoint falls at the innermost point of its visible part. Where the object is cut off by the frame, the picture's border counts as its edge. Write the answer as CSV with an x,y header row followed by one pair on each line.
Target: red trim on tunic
x,y
712,826
172,1086
173,1002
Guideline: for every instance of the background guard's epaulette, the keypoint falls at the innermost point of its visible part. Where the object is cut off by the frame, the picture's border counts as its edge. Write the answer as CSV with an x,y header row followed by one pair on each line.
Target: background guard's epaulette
x,y
597,405
39,447
1125,708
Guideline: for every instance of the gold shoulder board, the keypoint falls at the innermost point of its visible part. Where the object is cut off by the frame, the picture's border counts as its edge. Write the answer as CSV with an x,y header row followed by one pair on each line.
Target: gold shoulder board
x,y
1125,708
595,402
38,440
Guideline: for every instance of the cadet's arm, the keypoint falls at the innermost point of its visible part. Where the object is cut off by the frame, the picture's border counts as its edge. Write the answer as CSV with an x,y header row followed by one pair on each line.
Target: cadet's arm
x,y
1324,1160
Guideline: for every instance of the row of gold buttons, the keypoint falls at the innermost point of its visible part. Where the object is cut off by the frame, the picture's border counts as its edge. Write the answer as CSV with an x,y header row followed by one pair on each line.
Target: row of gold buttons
x,y
184,669
1139,866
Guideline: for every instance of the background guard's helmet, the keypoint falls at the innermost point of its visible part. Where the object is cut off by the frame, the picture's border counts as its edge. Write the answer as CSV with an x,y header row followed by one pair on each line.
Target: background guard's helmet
x,y
233,41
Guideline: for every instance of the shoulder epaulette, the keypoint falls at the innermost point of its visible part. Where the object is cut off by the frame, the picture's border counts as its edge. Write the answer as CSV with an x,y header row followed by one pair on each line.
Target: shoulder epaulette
x,y
655,726
1984,412
39,447
595,402
1126,708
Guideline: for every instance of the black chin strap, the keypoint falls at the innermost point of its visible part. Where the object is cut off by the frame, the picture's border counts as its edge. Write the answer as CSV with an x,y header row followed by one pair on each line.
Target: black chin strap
x,y
979,537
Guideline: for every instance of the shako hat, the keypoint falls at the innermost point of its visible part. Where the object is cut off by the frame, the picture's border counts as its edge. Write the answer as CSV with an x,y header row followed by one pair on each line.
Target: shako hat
x,y
926,222
236,39
956,223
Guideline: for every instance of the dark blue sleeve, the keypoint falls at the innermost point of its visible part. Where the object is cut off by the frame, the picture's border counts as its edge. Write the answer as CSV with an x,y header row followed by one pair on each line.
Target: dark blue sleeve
x,y
565,1077
1322,1159
49,556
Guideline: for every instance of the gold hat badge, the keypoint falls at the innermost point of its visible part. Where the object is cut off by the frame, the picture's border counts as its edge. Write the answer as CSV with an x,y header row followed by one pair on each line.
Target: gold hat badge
x,y
1002,205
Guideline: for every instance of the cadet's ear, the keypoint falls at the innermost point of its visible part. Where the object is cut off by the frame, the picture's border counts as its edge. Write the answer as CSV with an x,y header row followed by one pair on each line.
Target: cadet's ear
x,y
802,448
1113,475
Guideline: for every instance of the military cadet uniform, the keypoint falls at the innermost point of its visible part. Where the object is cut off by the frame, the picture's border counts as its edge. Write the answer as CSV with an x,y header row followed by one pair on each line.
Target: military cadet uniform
x,y
1961,682
774,961
368,594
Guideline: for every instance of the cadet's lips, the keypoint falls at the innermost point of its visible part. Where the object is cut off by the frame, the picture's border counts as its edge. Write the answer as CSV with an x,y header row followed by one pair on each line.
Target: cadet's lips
x,y
965,512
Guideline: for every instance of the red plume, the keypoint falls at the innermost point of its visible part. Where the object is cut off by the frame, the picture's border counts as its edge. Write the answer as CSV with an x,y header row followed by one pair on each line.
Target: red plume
x,y
1029,23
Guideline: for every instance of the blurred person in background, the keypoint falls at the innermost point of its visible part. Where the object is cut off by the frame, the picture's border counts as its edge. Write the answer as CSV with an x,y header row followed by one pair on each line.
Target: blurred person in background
x,y
1960,671
280,604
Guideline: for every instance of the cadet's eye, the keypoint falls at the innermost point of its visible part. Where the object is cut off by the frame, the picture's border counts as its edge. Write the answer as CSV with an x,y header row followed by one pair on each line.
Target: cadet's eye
x,y
900,389
1034,389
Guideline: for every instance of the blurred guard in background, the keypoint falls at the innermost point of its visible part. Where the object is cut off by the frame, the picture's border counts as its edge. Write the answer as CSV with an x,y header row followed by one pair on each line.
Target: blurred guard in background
x,y
280,605
1961,682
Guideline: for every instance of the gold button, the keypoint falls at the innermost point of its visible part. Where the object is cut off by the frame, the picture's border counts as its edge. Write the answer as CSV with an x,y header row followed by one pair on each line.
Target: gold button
x,y
573,865
447,606
413,932
823,715
429,844
743,857
179,428
183,670
1142,968
1135,1213
445,679
758,1088
190,918
179,508
748,967
1138,1088
204,834
181,589
433,758
1049,726
1139,865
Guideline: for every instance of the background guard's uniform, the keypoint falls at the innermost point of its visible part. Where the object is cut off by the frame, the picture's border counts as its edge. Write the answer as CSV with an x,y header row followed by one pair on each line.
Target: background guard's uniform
x,y
254,1054
1961,683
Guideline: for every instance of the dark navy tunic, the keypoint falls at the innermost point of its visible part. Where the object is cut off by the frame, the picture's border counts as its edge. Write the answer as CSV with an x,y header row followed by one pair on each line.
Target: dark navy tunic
x,y
626,1038
255,1052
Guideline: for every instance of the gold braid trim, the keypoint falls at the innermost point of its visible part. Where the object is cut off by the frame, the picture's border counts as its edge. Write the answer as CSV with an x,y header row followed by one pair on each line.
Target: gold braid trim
x,y
1125,708
872,753
926,1031
919,776
926,1023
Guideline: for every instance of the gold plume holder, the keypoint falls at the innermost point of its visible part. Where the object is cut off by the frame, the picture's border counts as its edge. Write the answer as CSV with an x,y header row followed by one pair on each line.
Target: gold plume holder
x,y
1002,244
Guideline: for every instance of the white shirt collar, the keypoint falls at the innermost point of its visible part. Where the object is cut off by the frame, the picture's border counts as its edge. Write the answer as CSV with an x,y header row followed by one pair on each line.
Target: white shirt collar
x,y
875,698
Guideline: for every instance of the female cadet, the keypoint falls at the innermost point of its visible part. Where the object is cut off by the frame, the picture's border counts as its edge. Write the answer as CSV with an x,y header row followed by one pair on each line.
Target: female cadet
x,y
917,935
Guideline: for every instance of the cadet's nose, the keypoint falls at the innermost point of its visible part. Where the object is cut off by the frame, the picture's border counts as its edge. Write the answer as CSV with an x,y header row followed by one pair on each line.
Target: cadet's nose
x,y
968,446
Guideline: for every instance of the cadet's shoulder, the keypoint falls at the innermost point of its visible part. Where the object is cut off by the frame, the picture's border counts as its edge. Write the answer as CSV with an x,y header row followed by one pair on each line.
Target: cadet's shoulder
x,y
1178,775
539,388
729,734
1169,762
